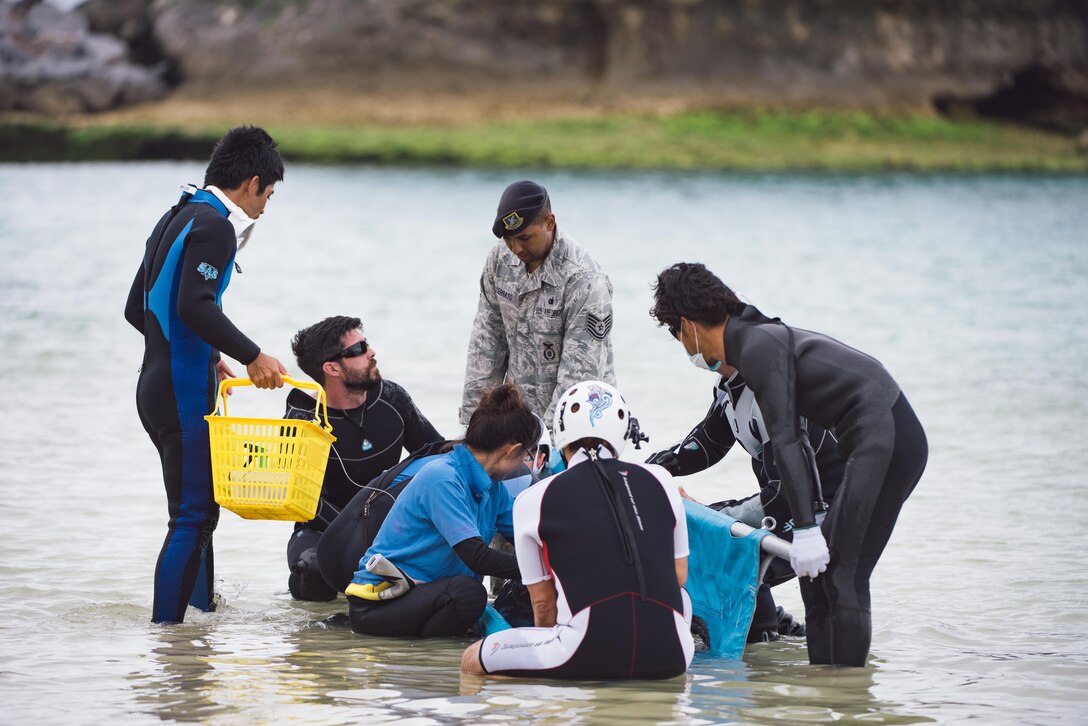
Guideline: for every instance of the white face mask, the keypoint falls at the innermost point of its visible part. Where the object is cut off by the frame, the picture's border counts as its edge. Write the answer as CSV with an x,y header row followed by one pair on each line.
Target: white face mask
x,y
697,358
531,459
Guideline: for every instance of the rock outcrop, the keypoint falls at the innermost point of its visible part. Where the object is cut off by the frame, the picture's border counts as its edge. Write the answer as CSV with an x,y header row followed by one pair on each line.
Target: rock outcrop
x,y
858,53
1023,60
51,63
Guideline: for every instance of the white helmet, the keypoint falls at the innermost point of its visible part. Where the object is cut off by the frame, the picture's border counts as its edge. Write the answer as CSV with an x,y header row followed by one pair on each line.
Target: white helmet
x,y
545,436
540,454
592,409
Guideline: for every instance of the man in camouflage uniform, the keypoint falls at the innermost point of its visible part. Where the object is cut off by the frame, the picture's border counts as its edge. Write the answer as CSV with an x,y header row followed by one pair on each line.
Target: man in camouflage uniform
x,y
544,319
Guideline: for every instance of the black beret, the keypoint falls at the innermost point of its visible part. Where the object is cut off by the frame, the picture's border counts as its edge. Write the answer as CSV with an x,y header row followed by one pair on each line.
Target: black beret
x,y
520,204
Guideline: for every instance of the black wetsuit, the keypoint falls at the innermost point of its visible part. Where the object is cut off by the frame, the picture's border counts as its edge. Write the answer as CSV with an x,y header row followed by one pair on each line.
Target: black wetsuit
x,y
369,440
734,417
175,302
608,533
798,373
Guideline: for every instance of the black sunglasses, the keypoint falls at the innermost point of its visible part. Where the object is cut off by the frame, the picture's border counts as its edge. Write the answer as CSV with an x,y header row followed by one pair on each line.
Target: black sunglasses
x,y
352,351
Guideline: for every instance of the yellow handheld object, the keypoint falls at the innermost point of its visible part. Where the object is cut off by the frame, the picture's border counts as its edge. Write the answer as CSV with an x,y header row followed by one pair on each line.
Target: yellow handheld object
x,y
370,592
269,468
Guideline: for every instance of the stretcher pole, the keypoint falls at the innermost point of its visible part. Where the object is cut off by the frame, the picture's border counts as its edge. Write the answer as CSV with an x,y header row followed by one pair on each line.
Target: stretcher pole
x,y
770,544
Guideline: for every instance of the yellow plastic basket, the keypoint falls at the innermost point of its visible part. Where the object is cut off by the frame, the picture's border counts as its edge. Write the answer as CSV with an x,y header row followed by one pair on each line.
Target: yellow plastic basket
x,y
269,468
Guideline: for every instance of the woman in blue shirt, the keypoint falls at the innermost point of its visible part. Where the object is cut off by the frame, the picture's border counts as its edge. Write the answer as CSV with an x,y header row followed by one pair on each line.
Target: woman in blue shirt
x,y
421,577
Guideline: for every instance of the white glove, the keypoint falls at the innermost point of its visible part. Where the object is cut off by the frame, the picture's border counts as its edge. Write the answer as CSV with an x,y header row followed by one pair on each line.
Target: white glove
x,y
808,553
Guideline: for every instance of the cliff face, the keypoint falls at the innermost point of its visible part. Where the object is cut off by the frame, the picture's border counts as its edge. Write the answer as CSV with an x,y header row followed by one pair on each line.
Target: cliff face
x,y
381,44
868,53
1018,59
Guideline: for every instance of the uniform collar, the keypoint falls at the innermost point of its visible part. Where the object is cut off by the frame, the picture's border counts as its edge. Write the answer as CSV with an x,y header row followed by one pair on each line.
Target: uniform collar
x,y
551,269
243,225
603,452
475,475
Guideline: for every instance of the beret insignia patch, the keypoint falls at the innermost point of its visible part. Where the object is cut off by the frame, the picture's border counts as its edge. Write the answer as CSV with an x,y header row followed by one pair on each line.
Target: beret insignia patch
x,y
598,327
512,221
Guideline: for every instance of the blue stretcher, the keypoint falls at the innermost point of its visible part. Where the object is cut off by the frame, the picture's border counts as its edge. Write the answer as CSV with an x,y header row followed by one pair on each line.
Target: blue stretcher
x,y
723,576
491,621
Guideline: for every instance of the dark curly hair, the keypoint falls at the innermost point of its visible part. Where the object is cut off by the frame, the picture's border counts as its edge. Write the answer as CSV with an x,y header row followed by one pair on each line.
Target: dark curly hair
x,y
689,290
319,342
502,417
243,153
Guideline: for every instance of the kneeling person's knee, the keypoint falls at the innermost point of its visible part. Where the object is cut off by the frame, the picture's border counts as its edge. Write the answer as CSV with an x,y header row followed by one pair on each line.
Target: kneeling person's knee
x,y
470,660
470,595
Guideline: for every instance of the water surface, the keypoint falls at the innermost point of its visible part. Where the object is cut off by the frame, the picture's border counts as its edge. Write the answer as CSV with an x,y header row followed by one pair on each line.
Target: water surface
x,y
971,290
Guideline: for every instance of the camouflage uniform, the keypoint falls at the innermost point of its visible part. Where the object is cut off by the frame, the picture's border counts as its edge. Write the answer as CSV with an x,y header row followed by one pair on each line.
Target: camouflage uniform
x,y
545,331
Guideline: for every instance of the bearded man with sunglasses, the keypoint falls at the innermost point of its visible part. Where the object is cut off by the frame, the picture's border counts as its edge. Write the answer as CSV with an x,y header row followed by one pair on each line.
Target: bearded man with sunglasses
x,y
374,420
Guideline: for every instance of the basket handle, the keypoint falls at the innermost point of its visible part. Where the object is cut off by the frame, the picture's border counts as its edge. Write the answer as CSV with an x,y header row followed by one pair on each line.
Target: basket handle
x,y
322,406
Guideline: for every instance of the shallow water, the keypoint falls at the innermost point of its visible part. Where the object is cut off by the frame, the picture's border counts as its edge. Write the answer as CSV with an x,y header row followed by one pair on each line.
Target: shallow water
x,y
971,290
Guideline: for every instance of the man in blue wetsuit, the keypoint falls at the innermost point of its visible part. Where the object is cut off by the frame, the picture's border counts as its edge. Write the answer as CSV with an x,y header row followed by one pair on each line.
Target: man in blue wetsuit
x,y
175,302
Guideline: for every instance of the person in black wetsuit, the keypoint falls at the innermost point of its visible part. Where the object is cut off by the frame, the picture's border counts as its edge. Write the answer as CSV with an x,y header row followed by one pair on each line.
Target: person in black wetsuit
x,y
797,373
373,419
175,303
734,418
603,550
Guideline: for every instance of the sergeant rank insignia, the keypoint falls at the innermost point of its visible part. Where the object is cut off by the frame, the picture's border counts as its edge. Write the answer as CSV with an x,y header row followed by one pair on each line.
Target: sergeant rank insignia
x,y
512,221
598,327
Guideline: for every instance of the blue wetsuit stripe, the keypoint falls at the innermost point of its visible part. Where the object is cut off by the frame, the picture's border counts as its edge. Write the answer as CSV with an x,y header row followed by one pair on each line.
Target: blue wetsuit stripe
x,y
165,290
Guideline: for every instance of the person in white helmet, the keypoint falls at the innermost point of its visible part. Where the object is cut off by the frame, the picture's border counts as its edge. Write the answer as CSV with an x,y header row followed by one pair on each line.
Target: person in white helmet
x,y
602,548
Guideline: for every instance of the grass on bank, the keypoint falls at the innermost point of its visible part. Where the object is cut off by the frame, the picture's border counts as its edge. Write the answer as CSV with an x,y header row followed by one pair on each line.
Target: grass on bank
x,y
734,140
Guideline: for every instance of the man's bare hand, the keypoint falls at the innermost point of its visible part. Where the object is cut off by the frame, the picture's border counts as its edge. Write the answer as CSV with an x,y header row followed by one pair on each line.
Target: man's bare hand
x,y
222,373
266,372
685,495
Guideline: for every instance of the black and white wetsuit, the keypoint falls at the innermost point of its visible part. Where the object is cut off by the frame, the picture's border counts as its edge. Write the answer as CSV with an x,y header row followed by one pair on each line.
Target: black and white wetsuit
x,y
176,303
369,439
734,418
610,542
798,373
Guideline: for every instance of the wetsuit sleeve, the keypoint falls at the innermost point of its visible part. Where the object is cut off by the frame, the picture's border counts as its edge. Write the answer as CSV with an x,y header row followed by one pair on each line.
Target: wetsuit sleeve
x,y
527,542
418,431
766,364
134,307
705,446
587,335
504,523
484,560
488,354
209,249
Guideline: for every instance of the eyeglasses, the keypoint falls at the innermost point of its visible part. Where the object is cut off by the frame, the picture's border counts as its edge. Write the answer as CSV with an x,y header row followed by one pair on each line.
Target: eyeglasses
x,y
674,330
352,351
